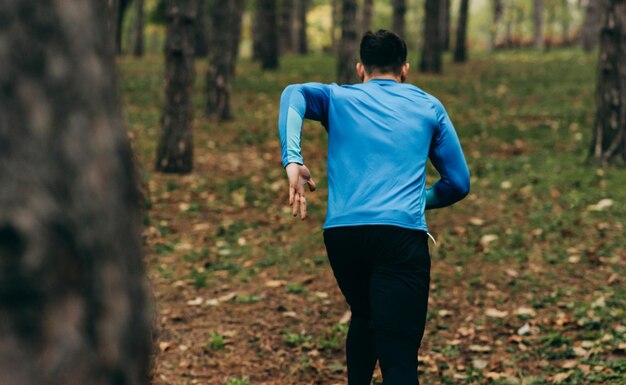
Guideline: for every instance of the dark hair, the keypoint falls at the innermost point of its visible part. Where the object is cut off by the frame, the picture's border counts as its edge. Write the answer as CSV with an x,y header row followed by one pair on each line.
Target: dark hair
x,y
383,51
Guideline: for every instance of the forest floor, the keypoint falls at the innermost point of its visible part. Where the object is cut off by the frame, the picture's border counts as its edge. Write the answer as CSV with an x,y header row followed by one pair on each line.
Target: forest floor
x,y
528,278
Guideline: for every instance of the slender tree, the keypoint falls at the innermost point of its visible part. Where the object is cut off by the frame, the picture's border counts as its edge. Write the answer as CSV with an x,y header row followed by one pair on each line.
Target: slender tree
x,y
609,134
137,32
201,39
119,19
444,24
460,51
266,13
303,42
336,20
566,18
591,25
175,149
497,9
286,27
366,15
226,18
538,24
399,16
346,72
432,60
73,295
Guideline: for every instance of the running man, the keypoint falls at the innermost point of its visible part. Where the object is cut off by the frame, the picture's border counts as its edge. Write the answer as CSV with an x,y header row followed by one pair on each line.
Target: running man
x,y
380,134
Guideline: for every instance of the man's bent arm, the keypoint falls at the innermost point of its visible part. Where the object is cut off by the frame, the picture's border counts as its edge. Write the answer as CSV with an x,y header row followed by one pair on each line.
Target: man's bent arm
x,y
446,155
299,102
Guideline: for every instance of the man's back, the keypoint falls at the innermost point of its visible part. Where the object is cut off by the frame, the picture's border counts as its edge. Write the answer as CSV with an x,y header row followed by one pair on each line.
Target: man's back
x,y
379,138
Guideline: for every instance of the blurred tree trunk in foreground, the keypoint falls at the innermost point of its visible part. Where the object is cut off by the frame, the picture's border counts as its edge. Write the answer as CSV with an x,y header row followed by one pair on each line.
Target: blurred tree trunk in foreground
x,y
226,32
399,16
175,149
73,295
538,24
591,25
497,9
609,134
460,51
138,24
346,71
366,16
266,16
122,6
201,42
431,60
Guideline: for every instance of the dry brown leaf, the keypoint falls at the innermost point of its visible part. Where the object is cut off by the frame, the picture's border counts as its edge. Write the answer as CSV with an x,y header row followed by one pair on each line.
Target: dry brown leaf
x,y
495,313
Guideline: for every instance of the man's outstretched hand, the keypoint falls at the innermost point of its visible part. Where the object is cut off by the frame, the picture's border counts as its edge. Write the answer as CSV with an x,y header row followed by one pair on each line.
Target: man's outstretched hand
x,y
299,177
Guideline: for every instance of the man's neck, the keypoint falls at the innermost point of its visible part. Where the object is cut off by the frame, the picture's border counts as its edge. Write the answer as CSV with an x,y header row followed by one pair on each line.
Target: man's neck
x,y
386,76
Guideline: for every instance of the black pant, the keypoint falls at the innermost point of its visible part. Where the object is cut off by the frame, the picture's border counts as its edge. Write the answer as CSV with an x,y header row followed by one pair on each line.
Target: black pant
x,y
384,274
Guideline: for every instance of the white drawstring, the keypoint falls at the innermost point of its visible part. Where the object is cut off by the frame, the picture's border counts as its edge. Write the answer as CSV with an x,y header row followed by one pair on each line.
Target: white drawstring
x,y
432,238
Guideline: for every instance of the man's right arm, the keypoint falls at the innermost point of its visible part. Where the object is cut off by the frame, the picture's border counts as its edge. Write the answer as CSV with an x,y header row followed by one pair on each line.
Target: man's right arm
x,y
447,156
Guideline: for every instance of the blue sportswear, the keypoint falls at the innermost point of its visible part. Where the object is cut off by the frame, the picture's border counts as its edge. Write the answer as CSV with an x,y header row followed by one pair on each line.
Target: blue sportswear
x,y
380,135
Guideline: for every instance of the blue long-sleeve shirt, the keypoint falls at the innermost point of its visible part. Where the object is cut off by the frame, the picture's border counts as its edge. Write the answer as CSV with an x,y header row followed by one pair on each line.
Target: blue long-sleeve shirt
x,y
380,134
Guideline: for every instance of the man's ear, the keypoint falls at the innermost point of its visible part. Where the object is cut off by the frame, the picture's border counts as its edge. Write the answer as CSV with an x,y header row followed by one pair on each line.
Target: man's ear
x,y
360,71
404,72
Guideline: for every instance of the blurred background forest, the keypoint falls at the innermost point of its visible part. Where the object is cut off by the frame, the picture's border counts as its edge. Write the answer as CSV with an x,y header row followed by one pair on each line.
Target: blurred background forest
x,y
528,271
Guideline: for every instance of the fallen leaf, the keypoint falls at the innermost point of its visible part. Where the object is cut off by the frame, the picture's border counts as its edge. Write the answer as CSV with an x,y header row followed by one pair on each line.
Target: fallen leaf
x,y
495,313
524,329
479,364
479,348
601,205
164,346
275,283
486,239
227,297
345,318
195,302
476,221
560,377
525,311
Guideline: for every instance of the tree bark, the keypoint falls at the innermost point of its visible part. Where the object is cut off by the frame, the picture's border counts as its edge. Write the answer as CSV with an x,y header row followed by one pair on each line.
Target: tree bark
x,y
175,149
201,41
498,9
266,13
286,26
73,293
591,25
460,52
566,19
609,134
138,24
346,71
399,17
226,32
432,60
366,16
303,43
538,24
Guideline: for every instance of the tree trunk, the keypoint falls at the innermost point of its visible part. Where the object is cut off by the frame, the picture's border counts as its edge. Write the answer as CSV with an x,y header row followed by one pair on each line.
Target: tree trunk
x,y
286,27
346,71
460,52
565,23
266,11
538,24
175,149
73,293
431,60
366,16
591,25
399,16
609,135
238,7
201,42
226,32
303,43
113,9
444,23
336,12
138,23
497,8
121,12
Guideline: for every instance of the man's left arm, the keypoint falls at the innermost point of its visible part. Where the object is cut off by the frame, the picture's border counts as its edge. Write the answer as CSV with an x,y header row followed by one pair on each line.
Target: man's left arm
x,y
297,102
